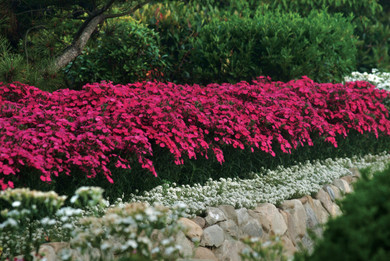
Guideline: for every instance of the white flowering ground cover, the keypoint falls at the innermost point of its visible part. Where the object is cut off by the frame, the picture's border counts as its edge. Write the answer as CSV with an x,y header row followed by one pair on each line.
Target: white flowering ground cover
x,y
380,79
272,186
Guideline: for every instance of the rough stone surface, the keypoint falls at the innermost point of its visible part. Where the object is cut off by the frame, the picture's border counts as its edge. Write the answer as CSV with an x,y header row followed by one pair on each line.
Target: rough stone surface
x,y
229,212
186,245
332,208
304,199
229,251
296,220
203,253
342,185
324,198
230,227
213,236
288,247
336,211
58,246
253,214
337,192
48,252
307,243
214,215
311,218
330,192
252,228
271,219
192,230
242,216
321,213
200,221
348,179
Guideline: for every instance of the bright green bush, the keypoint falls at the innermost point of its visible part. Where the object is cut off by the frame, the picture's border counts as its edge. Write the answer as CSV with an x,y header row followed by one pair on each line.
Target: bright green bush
x,y
363,231
281,45
177,23
126,51
370,18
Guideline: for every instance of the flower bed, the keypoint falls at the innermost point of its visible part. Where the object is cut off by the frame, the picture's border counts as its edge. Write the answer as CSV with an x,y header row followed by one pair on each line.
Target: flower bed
x,y
54,132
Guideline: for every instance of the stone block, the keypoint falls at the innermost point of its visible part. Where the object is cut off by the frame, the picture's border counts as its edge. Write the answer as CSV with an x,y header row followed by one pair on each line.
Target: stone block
x,y
297,218
271,219
203,253
192,230
213,236
214,215
229,212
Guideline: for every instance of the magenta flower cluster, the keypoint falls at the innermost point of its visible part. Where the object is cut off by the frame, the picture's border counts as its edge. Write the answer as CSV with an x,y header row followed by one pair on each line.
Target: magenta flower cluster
x,y
104,123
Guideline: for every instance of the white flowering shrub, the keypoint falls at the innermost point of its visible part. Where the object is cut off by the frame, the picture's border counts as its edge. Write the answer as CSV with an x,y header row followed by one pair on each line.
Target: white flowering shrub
x,y
30,218
380,79
20,220
272,186
134,231
91,199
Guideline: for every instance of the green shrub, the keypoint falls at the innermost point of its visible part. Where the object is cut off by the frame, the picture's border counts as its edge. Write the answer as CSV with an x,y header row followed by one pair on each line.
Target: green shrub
x,y
370,18
281,45
177,23
125,52
363,231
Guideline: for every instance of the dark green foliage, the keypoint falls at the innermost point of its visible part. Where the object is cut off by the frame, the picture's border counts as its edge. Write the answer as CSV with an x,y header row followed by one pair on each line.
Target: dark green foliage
x,y
177,23
363,231
360,8
126,51
371,20
14,67
281,45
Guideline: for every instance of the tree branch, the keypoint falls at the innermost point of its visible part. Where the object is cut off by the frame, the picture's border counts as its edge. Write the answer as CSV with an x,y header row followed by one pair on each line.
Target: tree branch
x,y
86,30
78,44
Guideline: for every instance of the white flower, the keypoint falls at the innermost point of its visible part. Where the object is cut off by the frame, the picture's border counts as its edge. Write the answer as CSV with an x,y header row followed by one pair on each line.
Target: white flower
x,y
269,186
169,251
16,204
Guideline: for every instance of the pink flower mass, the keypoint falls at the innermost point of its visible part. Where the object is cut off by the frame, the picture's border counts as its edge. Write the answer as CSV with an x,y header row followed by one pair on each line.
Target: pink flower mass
x,y
52,132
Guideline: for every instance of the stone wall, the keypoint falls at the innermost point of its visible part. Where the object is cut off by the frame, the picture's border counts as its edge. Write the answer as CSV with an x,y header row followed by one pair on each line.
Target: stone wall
x,y
220,232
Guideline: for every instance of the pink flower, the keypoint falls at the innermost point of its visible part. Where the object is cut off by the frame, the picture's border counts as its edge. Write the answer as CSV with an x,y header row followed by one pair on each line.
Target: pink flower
x,y
52,132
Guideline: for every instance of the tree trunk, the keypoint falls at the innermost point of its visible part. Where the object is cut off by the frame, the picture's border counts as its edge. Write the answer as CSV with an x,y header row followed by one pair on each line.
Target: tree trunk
x,y
86,31
78,44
